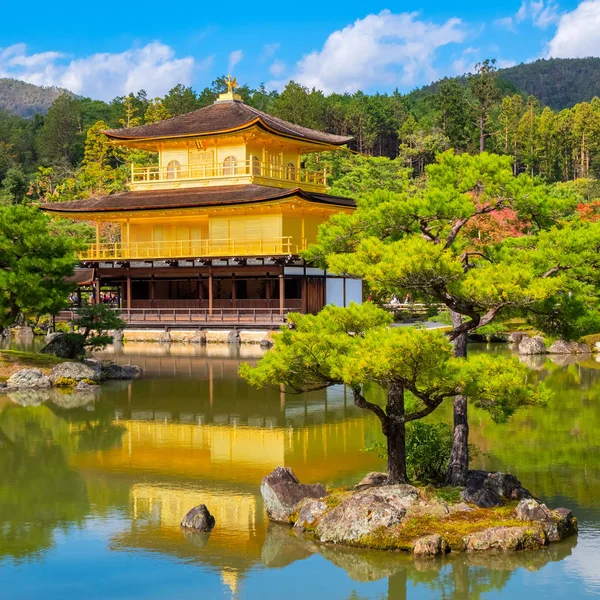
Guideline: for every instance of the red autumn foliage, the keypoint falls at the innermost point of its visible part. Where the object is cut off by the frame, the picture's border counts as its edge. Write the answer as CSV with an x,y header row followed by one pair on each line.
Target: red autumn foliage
x,y
589,211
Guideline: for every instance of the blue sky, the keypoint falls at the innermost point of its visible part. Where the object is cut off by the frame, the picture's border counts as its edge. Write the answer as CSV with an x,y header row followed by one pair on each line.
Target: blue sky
x,y
105,49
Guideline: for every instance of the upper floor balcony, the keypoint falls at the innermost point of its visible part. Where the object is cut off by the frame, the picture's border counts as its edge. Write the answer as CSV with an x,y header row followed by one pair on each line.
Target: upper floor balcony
x,y
230,171
194,249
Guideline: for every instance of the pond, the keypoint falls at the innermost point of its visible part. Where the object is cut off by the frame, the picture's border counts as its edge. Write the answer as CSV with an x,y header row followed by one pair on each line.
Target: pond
x,y
92,492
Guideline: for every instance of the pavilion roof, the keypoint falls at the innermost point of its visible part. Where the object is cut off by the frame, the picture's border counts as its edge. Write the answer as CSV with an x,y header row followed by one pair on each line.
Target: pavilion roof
x,y
222,117
191,198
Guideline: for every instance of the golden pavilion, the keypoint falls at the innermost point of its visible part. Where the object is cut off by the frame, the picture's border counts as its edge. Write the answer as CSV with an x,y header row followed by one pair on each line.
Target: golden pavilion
x,y
215,230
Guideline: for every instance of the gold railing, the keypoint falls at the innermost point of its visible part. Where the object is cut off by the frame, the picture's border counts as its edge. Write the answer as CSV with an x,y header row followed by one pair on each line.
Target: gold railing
x,y
227,170
193,249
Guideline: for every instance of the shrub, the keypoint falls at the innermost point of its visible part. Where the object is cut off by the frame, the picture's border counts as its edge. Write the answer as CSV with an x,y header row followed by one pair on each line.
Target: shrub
x,y
591,340
428,447
65,382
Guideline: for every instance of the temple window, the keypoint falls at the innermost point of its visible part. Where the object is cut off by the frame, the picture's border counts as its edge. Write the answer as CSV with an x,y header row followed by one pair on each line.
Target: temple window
x,y
230,166
255,165
173,170
291,171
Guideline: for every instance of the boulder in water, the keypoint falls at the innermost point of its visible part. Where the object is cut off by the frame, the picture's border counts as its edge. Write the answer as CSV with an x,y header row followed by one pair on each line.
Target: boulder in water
x,y
532,345
564,347
121,371
77,371
28,379
430,545
65,345
281,492
199,519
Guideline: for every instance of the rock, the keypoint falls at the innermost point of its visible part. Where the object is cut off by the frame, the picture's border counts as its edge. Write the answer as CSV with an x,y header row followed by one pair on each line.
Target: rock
x,y
266,344
281,492
196,538
597,346
311,510
563,347
400,496
28,379
52,335
164,338
532,345
65,345
515,337
482,497
117,336
356,517
489,489
430,545
199,519
373,479
24,331
504,539
76,371
560,524
3,386
460,507
233,337
198,338
436,507
529,509
121,371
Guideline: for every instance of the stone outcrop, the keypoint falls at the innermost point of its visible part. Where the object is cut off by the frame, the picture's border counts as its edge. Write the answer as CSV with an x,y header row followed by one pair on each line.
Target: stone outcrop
x,y
492,489
198,338
28,379
557,524
121,371
65,345
532,345
373,479
281,492
199,519
77,371
564,347
515,337
117,336
233,337
357,517
266,344
311,510
430,545
503,539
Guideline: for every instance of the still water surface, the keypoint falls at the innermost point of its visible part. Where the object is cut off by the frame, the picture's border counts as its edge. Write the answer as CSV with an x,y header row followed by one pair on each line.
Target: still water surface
x,y
92,490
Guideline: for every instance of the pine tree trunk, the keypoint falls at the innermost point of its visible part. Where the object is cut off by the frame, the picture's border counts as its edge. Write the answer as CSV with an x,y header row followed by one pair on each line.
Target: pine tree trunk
x,y
459,456
396,436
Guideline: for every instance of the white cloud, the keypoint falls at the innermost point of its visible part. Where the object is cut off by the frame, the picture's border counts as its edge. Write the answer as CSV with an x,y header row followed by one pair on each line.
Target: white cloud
x,y
505,23
234,58
577,32
504,63
542,13
466,63
104,75
277,69
386,49
268,50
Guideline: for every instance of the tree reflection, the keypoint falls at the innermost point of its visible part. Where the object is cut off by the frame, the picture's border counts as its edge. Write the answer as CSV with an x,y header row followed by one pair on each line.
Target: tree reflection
x,y
39,492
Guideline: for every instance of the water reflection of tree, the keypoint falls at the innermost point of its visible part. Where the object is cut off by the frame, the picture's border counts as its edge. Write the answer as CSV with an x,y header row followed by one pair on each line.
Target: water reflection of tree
x,y
39,492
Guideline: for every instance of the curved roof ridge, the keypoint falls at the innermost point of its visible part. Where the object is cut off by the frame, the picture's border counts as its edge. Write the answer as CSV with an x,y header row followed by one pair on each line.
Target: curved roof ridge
x,y
222,117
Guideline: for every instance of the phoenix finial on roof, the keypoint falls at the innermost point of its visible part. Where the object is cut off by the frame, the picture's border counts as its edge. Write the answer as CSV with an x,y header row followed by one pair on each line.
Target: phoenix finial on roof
x,y
231,83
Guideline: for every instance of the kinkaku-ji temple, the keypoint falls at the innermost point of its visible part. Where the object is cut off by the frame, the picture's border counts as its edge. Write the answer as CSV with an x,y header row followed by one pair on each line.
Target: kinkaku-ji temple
x,y
214,232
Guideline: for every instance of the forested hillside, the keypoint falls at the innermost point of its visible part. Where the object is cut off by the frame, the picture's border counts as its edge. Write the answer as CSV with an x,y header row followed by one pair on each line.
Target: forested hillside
x,y
26,99
557,82
63,155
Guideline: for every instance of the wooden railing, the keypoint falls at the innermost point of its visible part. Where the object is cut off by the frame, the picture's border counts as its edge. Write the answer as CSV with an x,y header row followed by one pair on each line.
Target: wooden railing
x,y
191,316
227,170
281,246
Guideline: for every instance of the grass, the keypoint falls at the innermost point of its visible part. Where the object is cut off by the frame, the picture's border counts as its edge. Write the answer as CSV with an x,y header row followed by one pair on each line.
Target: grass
x,y
452,528
12,361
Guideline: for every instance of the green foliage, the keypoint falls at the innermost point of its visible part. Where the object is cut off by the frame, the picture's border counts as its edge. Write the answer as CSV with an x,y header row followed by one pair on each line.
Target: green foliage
x,y
14,185
94,321
65,382
33,264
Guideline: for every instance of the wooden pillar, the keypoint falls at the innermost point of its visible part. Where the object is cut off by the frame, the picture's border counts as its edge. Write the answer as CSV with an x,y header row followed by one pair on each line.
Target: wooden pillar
x,y
210,292
97,290
128,291
98,239
281,293
304,292
121,295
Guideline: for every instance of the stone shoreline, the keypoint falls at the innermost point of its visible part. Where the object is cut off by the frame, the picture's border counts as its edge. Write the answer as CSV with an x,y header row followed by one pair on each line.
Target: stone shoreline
x,y
493,514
